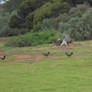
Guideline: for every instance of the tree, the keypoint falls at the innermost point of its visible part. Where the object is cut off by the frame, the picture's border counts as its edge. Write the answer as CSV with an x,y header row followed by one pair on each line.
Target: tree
x,y
28,6
10,5
50,9
15,21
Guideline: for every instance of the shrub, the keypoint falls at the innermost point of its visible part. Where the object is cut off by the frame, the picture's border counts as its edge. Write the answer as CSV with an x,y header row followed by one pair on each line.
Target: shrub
x,y
12,32
32,39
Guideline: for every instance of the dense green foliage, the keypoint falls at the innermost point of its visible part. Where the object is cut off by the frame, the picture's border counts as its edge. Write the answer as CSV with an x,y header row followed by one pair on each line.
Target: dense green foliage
x,y
6,31
28,6
11,5
3,20
31,39
16,21
72,17
77,23
50,11
6,10
32,12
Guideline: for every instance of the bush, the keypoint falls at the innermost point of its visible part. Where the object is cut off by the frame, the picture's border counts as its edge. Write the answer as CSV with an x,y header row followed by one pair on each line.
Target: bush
x,y
32,39
12,32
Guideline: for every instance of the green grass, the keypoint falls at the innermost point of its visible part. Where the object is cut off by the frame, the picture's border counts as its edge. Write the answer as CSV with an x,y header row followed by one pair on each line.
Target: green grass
x,y
57,73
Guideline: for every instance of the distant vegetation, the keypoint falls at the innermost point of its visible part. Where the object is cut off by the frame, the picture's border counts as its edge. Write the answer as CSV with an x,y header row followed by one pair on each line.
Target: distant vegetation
x,y
32,39
73,17
6,10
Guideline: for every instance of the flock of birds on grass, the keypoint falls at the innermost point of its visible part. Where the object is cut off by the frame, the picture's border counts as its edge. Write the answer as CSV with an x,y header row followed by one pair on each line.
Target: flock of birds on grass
x,y
66,53
45,54
57,43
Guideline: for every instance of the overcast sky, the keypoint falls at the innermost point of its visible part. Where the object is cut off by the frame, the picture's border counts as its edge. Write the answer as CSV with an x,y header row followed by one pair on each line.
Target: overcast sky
x,y
2,1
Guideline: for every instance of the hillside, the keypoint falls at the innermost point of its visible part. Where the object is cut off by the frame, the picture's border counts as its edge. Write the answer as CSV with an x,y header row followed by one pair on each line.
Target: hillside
x,y
20,17
26,69
45,46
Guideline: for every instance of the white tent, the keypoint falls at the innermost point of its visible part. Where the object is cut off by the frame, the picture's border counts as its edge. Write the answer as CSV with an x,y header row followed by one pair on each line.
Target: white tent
x,y
64,43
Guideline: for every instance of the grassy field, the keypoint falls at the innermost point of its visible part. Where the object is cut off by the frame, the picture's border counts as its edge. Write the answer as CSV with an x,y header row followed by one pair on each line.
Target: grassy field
x,y
26,70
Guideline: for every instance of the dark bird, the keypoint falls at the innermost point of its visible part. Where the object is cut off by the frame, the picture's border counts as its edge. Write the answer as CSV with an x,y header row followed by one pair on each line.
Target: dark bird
x,y
69,54
46,54
69,42
3,58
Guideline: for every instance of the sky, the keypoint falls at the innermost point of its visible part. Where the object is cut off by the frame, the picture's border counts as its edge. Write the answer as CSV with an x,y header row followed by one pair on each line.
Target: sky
x,y
3,1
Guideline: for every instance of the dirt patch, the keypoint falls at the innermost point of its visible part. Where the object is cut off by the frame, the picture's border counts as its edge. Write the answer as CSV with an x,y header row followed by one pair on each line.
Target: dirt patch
x,y
22,56
29,56
89,40
1,52
39,57
4,40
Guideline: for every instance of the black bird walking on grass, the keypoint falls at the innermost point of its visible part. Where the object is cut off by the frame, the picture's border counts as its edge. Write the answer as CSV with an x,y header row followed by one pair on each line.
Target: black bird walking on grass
x,y
69,54
3,58
46,54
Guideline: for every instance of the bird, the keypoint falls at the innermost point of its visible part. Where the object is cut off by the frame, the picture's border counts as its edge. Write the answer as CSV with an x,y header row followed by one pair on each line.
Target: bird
x,y
69,54
3,58
46,54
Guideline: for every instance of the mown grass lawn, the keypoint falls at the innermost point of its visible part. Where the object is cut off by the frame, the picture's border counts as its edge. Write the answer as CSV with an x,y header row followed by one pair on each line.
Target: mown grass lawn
x,y
56,73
